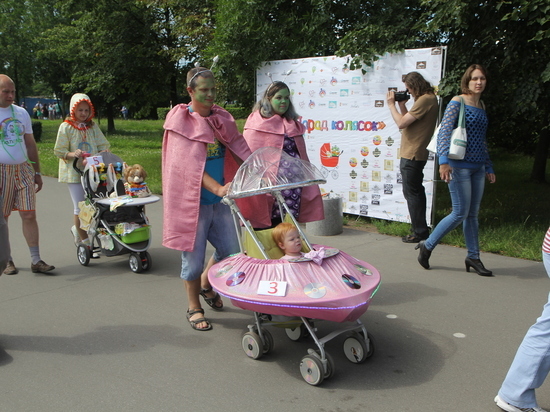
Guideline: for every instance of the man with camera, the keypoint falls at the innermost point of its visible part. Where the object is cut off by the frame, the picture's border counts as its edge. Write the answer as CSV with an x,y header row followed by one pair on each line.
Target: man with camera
x,y
417,127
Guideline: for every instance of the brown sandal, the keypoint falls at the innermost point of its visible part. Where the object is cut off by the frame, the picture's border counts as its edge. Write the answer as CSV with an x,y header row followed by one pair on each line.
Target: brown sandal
x,y
194,322
212,302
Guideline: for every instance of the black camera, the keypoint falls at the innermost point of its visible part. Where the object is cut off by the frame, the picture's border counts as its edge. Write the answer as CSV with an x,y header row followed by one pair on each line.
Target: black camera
x,y
402,96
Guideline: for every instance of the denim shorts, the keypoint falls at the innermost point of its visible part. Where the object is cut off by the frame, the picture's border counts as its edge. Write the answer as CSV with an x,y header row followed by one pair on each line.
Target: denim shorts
x,y
215,226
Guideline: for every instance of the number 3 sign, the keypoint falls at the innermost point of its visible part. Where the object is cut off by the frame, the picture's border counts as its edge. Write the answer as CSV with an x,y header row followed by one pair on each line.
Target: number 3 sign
x,y
272,288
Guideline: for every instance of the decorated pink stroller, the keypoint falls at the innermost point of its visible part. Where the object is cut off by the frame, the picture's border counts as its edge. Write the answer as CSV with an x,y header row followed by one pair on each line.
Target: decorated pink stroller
x,y
329,285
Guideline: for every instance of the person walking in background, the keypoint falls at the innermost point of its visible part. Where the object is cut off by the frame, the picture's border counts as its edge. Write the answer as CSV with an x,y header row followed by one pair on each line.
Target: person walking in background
x,y
274,123
77,137
531,364
124,112
45,111
20,177
466,177
37,110
193,166
417,127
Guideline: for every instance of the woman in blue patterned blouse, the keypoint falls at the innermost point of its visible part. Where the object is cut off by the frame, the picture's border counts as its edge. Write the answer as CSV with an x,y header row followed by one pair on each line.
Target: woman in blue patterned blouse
x,y
466,177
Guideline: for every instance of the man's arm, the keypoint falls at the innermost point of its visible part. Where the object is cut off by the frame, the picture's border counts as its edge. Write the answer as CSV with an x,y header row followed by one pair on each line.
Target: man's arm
x,y
32,153
210,184
403,118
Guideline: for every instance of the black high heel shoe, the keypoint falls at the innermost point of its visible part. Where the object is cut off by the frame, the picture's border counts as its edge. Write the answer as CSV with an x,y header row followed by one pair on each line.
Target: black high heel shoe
x,y
423,255
477,266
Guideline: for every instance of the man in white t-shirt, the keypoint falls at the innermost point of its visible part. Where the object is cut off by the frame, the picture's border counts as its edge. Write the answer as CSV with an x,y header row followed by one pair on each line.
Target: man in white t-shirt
x,y
20,177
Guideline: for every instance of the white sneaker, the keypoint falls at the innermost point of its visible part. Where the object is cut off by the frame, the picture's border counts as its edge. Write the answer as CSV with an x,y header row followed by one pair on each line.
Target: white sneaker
x,y
505,406
76,235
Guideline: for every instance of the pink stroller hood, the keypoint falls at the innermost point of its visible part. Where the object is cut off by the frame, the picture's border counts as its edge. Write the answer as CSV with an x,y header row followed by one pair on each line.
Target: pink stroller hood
x,y
339,289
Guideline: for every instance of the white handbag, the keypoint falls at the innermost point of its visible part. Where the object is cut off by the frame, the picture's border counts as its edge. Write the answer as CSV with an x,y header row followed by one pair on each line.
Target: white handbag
x,y
457,149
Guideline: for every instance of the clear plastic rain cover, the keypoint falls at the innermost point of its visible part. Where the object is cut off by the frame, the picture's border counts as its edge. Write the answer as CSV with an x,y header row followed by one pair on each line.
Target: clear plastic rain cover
x,y
270,169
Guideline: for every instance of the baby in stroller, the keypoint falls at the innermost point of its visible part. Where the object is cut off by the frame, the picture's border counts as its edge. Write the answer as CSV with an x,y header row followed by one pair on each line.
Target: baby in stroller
x,y
310,282
288,239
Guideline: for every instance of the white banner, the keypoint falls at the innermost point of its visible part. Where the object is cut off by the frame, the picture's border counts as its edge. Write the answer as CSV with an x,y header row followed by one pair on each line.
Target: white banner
x,y
350,134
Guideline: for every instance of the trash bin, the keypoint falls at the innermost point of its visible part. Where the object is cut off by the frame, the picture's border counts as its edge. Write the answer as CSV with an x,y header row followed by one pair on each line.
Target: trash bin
x,y
333,223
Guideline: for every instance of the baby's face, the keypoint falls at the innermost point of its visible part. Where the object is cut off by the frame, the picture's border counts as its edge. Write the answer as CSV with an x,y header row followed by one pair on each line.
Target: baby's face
x,y
292,243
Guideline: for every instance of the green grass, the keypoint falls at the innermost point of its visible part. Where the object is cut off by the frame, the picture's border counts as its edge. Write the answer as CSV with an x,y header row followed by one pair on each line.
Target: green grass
x,y
513,217
135,141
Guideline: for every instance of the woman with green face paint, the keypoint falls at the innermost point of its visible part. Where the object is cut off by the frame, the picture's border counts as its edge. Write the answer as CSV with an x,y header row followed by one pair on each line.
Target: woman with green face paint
x,y
274,123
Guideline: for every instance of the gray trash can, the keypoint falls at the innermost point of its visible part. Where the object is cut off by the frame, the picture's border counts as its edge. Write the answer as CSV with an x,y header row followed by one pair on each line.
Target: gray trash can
x,y
333,223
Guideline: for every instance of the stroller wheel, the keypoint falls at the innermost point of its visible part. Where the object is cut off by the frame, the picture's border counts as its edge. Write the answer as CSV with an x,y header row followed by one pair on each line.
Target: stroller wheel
x,y
312,370
252,345
330,366
146,260
268,341
355,348
83,253
136,265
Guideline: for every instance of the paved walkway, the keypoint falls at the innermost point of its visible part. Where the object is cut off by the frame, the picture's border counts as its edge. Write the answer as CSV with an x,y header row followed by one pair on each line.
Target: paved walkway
x,y
102,338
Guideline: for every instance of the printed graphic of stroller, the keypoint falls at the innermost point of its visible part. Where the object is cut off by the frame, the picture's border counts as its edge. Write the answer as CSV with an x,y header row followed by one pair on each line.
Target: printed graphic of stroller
x,y
324,284
330,156
115,222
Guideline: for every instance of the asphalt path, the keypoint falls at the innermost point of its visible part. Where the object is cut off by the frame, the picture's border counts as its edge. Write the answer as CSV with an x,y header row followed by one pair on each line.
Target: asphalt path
x,y
102,338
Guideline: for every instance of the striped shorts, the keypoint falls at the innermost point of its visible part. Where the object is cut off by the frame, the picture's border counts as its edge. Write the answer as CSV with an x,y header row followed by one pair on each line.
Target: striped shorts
x,y
17,187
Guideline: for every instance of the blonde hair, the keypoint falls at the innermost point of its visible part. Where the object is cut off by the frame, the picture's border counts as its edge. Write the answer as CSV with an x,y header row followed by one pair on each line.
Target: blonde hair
x,y
279,232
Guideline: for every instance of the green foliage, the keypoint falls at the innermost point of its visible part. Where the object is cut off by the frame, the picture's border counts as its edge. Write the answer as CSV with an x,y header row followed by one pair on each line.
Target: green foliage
x,y
251,32
238,112
162,112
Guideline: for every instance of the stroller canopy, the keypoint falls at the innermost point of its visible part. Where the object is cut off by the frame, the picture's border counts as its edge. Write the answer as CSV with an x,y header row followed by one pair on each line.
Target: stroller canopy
x,y
261,173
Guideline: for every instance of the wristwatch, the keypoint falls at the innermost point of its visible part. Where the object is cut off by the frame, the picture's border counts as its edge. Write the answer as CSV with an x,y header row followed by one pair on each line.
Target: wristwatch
x,y
38,173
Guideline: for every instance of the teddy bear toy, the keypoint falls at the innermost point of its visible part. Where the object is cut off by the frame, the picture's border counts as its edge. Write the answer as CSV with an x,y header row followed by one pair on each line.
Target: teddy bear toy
x,y
135,184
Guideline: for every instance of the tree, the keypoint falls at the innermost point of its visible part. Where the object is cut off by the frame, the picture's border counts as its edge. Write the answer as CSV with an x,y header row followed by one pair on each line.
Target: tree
x,y
249,32
185,29
22,24
510,38
109,50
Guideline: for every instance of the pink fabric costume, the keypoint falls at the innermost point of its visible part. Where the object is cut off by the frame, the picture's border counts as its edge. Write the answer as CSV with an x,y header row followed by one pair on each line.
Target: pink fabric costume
x,y
183,159
261,132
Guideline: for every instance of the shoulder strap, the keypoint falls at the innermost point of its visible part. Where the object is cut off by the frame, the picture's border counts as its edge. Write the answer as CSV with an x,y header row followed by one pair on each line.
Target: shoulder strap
x,y
461,115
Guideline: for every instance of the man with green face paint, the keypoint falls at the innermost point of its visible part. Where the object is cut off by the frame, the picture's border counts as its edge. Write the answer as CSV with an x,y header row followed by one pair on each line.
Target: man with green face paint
x,y
194,180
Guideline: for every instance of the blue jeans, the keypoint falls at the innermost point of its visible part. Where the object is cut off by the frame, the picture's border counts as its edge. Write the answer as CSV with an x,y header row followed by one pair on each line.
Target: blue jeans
x,y
412,174
466,189
531,364
215,226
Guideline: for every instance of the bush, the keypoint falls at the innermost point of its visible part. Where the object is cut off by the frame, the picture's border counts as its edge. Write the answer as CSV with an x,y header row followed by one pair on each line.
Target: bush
x,y
162,112
238,112
37,130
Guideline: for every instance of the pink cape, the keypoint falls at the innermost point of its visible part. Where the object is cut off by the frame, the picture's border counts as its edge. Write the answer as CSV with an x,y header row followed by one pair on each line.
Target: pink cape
x,y
261,132
183,158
